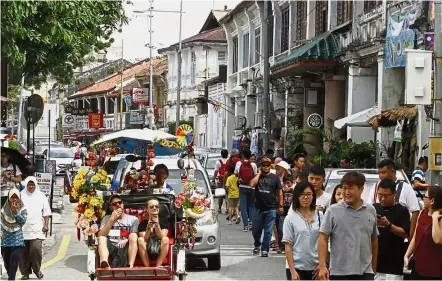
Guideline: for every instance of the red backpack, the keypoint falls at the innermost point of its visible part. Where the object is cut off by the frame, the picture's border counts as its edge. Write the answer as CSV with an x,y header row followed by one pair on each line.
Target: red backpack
x,y
222,170
246,173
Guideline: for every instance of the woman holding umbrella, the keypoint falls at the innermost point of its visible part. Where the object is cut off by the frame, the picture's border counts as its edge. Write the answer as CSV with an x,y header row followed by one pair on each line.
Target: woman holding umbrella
x,y
10,172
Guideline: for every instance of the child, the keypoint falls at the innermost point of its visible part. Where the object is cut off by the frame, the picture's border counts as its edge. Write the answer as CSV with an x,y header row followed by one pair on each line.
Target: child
x,y
287,191
233,195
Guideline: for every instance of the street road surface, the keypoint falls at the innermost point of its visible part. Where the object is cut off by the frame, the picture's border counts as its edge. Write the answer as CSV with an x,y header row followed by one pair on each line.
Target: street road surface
x,y
67,259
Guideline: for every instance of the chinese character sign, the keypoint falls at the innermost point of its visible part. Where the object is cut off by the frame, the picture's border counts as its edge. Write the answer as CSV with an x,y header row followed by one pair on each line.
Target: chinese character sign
x,y
96,120
140,96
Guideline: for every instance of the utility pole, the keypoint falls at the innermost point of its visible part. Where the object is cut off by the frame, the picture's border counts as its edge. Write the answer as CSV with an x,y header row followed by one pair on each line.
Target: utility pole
x,y
266,97
20,110
121,86
178,89
151,122
437,114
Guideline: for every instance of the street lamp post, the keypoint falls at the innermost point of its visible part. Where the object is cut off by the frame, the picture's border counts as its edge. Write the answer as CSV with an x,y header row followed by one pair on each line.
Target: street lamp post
x,y
151,10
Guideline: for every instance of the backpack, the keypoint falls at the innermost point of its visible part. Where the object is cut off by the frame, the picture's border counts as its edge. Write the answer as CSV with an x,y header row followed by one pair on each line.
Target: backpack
x,y
246,173
222,170
400,185
230,164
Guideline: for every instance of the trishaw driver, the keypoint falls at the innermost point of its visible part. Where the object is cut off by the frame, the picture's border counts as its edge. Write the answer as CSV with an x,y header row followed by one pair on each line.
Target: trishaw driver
x,y
118,236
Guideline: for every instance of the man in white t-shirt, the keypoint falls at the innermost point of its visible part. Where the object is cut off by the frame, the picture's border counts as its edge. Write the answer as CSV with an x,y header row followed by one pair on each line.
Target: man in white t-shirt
x,y
316,177
218,176
10,175
118,236
407,196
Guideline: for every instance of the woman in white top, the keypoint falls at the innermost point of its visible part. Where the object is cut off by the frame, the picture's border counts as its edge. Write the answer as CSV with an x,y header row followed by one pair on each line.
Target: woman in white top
x,y
301,233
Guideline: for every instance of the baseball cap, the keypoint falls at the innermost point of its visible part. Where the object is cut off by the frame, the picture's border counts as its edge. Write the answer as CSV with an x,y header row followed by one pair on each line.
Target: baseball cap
x,y
114,196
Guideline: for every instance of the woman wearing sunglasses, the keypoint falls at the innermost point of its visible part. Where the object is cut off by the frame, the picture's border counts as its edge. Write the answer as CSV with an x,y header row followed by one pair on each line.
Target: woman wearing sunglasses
x,y
153,243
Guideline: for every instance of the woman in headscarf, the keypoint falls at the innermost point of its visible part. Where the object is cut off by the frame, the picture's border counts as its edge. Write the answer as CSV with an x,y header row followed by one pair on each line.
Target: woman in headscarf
x,y
13,217
35,228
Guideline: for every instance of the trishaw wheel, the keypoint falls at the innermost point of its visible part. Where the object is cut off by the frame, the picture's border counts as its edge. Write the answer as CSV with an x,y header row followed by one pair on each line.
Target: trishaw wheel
x,y
92,276
214,262
181,276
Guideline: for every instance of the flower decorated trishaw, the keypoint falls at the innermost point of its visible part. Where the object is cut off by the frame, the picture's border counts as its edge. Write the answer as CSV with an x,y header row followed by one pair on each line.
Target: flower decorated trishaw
x,y
181,210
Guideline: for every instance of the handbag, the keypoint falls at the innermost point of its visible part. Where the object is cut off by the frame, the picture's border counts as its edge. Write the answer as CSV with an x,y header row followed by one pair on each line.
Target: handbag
x,y
153,247
411,261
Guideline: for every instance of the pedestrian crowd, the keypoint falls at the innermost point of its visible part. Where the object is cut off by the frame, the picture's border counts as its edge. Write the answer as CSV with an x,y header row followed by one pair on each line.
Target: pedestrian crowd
x,y
346,235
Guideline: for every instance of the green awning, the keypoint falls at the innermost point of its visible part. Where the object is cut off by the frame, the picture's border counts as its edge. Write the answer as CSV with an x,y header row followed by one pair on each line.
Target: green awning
x,y
325,47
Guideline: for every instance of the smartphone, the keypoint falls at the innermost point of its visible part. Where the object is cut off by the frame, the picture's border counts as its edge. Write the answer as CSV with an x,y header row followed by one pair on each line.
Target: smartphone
x,y
379,216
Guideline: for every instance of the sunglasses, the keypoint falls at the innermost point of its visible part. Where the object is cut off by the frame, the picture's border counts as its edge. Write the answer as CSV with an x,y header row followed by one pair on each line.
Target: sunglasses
x,y
266,165
154,206
4,156
116,203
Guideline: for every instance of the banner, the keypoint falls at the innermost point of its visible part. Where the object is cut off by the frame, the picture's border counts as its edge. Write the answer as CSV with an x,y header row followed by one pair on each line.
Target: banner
x,y
96,120
399,37
44,181
140,96
136,117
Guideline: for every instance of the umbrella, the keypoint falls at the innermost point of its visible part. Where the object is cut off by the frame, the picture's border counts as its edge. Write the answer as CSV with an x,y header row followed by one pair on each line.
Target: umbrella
x,y
136,140
15,157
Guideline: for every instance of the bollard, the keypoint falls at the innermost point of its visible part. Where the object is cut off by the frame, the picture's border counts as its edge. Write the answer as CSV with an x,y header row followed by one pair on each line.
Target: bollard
x,y
39,163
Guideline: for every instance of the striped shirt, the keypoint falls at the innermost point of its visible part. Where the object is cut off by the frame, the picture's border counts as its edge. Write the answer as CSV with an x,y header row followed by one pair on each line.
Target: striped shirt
x,y
418,174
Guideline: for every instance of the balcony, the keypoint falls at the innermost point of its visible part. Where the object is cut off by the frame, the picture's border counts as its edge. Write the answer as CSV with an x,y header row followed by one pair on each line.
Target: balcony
x,y
370,25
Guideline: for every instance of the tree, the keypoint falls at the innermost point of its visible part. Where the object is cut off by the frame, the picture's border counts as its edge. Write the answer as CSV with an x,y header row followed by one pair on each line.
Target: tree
x,y
43,38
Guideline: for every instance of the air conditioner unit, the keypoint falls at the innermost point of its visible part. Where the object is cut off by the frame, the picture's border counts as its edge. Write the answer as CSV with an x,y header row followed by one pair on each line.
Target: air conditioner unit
x,y
240,122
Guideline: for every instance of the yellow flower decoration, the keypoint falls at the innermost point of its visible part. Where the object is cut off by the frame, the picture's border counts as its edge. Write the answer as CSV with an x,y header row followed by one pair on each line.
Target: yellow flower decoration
x,y
103,213
95,179
89,213
94,201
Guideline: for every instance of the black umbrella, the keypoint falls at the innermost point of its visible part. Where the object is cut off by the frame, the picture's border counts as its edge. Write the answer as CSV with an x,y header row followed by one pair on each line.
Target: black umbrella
x,y
15,157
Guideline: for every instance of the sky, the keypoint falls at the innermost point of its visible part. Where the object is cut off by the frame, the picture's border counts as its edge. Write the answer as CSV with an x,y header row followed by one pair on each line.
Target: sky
x,y
135,35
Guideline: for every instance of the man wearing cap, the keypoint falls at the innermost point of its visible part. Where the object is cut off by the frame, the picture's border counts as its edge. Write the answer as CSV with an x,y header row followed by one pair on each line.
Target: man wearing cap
x,y
117,237
268,200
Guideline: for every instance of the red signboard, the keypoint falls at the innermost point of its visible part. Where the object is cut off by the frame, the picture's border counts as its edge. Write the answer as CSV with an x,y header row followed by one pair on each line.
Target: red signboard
x,y
96,120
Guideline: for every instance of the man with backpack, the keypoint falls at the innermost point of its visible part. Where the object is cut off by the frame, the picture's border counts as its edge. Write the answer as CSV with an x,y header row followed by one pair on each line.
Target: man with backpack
x,y
246,171
404,192
218,177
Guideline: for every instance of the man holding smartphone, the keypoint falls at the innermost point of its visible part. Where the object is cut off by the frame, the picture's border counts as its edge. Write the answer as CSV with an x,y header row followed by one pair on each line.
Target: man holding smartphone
x,y
118,236
268,200
393,222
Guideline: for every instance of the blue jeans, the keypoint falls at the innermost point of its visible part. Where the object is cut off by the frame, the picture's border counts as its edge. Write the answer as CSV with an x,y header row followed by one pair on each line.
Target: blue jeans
x,y
263,220
247,202
280,219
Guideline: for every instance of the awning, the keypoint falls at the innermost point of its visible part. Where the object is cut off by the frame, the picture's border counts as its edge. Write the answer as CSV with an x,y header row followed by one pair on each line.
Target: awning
x,y
324,48
359,119
388,118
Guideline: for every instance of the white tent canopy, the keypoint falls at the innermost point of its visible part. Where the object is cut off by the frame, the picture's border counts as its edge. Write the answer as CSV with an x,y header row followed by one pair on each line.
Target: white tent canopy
x,y
139,134
359,119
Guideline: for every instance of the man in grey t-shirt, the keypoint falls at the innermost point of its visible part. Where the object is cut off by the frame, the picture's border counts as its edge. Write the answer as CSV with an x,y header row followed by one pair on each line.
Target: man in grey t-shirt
x,y
351,227
118,236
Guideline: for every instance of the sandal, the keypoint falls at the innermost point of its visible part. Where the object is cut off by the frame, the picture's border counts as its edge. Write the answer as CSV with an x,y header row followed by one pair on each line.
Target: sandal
x,y
104,264
39,275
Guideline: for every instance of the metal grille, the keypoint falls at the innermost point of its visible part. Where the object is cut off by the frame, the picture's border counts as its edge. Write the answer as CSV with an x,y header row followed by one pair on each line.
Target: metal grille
x,y
371,5
301,20
246,49
344,11
321,17
257,51
285,23
235,54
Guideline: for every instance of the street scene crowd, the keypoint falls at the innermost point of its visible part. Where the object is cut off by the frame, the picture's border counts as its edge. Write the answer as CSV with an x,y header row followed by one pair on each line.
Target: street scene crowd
x,y
338,236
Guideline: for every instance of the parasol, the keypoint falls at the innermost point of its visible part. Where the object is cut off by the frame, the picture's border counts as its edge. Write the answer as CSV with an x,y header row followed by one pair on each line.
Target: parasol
x,y
15,157
136,140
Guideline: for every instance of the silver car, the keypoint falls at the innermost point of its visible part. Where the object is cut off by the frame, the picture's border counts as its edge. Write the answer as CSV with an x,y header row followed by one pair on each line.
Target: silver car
x,y
208,161
333,178
208,238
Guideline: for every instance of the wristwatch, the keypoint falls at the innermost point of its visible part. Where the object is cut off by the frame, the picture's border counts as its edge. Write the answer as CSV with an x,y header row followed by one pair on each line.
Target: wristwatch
x,y
388,227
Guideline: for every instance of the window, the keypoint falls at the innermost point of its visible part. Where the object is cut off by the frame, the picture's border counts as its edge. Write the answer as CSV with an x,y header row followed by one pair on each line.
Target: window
x,y
245,50
110,106
235,54
321,17
371,5
344,11
271,19
285,27
257,51
193,69
301,20
222,57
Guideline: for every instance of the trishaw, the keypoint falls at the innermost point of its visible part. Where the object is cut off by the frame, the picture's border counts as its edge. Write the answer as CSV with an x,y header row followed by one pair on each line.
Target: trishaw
x,y
173,267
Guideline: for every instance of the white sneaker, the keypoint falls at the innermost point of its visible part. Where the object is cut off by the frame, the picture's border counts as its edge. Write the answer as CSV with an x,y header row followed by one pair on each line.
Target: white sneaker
x,y
230,222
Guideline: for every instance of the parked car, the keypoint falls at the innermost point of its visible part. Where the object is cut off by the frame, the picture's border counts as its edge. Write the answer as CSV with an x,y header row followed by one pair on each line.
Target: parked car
x,y
208,161
333,178
41,147
63,157
208,239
